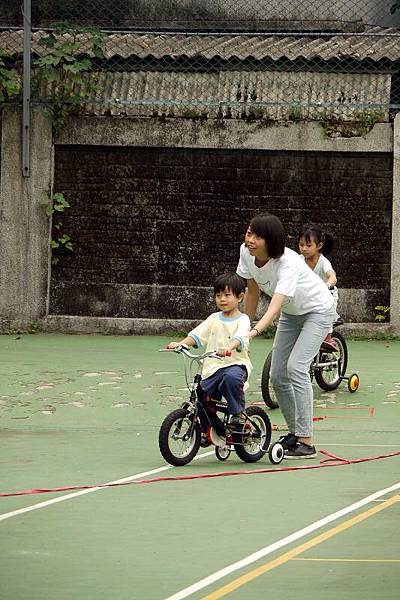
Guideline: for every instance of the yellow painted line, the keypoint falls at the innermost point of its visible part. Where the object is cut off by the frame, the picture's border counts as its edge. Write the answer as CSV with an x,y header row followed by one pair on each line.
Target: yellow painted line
x,y
357,560
277,562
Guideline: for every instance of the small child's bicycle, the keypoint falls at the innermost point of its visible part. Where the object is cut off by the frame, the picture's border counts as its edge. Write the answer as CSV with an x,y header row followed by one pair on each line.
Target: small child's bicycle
x,y
328,368
180,432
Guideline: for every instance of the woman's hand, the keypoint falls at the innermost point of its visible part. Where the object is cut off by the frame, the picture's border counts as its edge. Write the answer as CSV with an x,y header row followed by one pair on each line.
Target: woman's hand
x,y
254,332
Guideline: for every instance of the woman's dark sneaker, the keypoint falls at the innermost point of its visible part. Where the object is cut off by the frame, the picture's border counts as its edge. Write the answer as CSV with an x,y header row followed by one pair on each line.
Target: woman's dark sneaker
x,y
300,450
288,441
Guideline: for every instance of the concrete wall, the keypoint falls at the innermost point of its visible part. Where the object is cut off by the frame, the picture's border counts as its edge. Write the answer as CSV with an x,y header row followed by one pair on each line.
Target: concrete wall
x,y
375,12
152,227
395,277
191,13
24,228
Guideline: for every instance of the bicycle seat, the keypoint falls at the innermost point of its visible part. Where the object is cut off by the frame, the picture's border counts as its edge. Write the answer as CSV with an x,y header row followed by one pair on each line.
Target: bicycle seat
x,y
338,322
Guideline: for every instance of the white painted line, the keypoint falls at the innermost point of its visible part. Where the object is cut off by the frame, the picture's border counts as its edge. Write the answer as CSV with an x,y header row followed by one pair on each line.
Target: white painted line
x,y
46,503
196,587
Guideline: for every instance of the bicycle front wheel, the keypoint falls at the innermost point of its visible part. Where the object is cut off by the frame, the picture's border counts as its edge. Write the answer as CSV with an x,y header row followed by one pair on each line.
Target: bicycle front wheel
x,y
179,440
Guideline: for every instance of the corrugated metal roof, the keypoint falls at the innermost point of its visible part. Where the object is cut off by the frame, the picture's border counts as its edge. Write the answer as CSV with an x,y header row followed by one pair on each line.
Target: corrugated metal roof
x,y
224,94
374,44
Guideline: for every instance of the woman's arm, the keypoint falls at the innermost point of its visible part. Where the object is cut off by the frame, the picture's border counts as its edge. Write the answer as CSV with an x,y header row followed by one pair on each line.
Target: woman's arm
x,y
251,299
272,312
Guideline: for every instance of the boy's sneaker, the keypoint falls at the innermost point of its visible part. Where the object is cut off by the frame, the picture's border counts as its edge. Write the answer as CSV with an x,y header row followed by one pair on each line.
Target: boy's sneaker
x,y
299,451
329,344
204,443
288,441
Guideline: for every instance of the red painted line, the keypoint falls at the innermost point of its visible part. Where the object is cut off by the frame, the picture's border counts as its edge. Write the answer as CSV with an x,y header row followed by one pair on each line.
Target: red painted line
x,y
332,462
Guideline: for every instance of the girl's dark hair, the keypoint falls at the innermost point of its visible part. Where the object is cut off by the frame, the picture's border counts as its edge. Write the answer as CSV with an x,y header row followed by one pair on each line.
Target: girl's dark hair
x,y
232,281
312,233
271,229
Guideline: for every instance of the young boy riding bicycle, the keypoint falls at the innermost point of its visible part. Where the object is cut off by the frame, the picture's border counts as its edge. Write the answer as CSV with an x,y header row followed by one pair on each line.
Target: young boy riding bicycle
x,y
226,332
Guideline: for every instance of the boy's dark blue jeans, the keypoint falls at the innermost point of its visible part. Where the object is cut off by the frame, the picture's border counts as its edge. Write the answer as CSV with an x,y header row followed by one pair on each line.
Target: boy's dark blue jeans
x,y
227,382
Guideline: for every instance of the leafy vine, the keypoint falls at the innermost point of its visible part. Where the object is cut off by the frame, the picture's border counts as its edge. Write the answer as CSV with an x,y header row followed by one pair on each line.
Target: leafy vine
x,y
66,71
55,205
10,80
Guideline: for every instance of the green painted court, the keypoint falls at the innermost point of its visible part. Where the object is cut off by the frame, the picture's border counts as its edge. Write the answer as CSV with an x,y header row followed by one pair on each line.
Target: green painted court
x,y
86,410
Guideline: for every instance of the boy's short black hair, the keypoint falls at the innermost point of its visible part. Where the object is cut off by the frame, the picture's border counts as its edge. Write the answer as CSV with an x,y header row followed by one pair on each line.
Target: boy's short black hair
x,y
232,281
270,228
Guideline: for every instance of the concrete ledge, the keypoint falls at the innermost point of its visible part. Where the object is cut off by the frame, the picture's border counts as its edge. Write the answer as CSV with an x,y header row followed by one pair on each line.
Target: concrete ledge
x,y
115,326
218,133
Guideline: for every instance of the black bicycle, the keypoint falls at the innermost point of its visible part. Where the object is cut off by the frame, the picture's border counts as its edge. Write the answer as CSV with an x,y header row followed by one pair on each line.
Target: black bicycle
x,y
180,433
328,368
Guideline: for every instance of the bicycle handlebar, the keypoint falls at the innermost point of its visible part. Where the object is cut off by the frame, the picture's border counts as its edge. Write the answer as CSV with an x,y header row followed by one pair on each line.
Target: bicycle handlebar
x,y
183,349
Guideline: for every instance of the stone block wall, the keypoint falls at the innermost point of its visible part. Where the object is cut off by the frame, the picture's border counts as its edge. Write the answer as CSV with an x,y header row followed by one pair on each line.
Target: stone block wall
x,y
152,227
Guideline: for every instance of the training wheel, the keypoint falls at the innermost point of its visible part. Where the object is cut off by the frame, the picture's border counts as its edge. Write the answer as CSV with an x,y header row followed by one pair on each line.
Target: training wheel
x,y
222,452
353,382
276,453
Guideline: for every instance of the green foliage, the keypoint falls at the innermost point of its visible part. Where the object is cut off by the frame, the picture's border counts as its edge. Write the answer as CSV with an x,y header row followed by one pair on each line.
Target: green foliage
x,y
33,327
268,333
382,312
295,114
66,71
375,337
176,333
10,81
61,242
362,123
193,113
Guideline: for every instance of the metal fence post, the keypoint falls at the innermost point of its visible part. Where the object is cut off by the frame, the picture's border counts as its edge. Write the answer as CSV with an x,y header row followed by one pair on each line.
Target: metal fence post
x,y
26,94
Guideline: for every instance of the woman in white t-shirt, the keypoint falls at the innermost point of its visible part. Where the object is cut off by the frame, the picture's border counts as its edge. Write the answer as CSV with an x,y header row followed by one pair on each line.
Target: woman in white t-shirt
x,y
306,313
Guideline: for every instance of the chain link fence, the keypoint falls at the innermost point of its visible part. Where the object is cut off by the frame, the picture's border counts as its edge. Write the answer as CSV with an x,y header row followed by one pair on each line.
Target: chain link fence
x,y
334,61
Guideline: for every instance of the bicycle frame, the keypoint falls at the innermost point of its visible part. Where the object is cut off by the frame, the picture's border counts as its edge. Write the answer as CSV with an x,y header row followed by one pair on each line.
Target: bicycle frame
x,y
195,399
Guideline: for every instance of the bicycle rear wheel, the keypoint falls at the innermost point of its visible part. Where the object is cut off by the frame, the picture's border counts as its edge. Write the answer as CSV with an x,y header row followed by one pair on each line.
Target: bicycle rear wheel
x,y
253,447
330,376
267,391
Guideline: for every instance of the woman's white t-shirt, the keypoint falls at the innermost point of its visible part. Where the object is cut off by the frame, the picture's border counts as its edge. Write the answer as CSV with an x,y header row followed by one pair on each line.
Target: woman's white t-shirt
x,y
288,275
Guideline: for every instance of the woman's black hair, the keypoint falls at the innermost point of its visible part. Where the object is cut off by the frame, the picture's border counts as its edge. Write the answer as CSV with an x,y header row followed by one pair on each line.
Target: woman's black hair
x,y
230,281
271,229
312,233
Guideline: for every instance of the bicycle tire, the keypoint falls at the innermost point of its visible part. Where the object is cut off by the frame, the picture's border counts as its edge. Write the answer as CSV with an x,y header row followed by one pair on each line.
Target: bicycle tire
x,y
178,418
248,449
329,378
266,388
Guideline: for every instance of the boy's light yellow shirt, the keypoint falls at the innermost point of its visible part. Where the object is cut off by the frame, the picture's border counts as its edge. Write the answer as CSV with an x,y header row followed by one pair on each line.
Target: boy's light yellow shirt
x,y
217,332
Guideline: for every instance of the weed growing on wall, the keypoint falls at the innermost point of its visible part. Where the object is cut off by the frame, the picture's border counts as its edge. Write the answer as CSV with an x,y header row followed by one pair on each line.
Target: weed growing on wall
x,y
362,123
382,313
61,242
10,80
66,70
